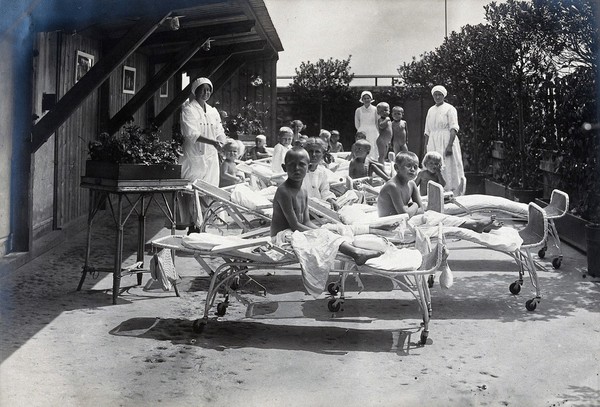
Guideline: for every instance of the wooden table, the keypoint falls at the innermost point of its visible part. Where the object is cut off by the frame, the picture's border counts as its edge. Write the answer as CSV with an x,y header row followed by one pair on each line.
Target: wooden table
x,y
138,194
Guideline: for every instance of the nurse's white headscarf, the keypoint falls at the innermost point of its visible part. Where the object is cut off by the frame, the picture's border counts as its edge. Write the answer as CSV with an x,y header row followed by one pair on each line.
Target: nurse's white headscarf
x,y
366,92
201,81
439,88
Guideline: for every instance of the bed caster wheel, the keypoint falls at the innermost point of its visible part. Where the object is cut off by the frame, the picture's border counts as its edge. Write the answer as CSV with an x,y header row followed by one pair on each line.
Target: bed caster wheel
x,y
430,281
424,335
199,325
556,262
221,309
334,305
542,253
531,305
515,288
333,288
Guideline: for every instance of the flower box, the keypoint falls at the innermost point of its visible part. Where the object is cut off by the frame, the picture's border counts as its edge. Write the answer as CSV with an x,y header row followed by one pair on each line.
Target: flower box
x,y
115,171
475,183
494,188
523,195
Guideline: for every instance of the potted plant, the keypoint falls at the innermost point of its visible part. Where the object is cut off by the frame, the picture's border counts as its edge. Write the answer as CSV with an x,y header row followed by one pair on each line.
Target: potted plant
x,y
133,154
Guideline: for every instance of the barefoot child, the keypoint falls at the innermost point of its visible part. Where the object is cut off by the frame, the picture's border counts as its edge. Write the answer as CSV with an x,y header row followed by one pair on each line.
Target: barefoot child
x,y
432,171
384,124
401,195
229,173
399,130
290,214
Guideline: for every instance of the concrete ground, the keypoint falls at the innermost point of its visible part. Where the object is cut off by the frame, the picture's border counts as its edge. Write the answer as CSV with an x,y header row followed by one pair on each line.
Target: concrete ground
x,y
74,348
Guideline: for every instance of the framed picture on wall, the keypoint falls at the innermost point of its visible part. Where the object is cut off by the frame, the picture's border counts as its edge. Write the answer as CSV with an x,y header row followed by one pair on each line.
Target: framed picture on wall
x,y
83,64
164,90
128,80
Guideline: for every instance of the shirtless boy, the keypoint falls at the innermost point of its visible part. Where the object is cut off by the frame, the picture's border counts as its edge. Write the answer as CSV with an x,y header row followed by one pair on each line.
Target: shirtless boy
x,y
399,130
401,194
384,124
290,205
361,165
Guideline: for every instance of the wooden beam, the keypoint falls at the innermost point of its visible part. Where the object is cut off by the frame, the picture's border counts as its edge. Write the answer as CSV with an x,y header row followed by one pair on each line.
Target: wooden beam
x,y
216,50
91,81
169,38
182,96
153,84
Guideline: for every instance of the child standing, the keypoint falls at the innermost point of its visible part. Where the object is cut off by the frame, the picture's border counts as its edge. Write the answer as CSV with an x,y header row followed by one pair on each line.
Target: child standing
x,y
432,171
325,136
297,126
285,143
399,130
229,174
384,124
334,143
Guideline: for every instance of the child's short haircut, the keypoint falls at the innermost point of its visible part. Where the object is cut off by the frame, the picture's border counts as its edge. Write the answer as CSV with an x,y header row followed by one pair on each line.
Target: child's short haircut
x,y
296,150
285,129
361,143
432,156
360,135
261,137
381,105
230,144
335,132
297,122
398,108
325,133
314,141
403,156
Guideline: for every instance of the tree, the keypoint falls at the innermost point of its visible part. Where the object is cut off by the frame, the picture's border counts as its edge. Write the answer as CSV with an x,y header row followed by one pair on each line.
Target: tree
x,y
322,82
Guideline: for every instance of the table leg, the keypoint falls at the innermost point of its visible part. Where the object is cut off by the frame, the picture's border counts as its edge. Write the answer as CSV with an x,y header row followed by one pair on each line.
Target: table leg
x,y
91,213
141,238
119,250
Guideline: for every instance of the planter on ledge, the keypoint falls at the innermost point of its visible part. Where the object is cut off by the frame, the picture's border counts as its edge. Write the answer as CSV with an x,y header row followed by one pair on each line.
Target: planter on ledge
x,y
523,195
494,188
116,171
475,183
592,238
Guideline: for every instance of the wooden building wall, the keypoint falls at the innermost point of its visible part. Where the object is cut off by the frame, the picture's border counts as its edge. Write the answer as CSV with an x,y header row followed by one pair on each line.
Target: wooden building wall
x,y
239,91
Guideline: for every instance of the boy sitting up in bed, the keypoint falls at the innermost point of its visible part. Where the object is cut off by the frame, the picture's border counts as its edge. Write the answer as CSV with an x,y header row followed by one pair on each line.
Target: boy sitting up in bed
x,y
290,212
316,182
401,195
361,165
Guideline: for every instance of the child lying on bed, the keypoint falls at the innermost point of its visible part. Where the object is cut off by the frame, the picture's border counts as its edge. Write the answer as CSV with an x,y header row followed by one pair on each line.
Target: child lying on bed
x,y
290,210
401,195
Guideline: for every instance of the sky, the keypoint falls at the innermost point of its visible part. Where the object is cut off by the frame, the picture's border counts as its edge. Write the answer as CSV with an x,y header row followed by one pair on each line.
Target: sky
x,y
379,34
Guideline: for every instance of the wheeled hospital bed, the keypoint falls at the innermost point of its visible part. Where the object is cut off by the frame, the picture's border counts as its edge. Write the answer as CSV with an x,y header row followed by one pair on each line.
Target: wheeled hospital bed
x,y
239,255
472,204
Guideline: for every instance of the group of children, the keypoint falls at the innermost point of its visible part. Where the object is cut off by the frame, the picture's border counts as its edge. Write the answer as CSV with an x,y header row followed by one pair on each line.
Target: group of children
x,y
303,160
